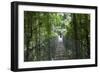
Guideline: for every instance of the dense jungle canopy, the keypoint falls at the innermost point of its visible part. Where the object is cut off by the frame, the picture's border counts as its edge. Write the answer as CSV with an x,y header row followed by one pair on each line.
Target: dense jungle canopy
x,y
56,36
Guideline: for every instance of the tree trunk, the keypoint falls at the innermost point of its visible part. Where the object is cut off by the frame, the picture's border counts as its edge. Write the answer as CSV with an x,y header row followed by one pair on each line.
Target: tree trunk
x,y
74,23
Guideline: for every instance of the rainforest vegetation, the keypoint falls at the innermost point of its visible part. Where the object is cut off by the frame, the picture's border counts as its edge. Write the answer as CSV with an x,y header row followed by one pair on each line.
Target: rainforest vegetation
x,y
56,36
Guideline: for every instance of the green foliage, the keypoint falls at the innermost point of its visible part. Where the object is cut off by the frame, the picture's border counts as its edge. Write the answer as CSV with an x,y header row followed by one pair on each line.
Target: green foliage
x,y
79,29
41,30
